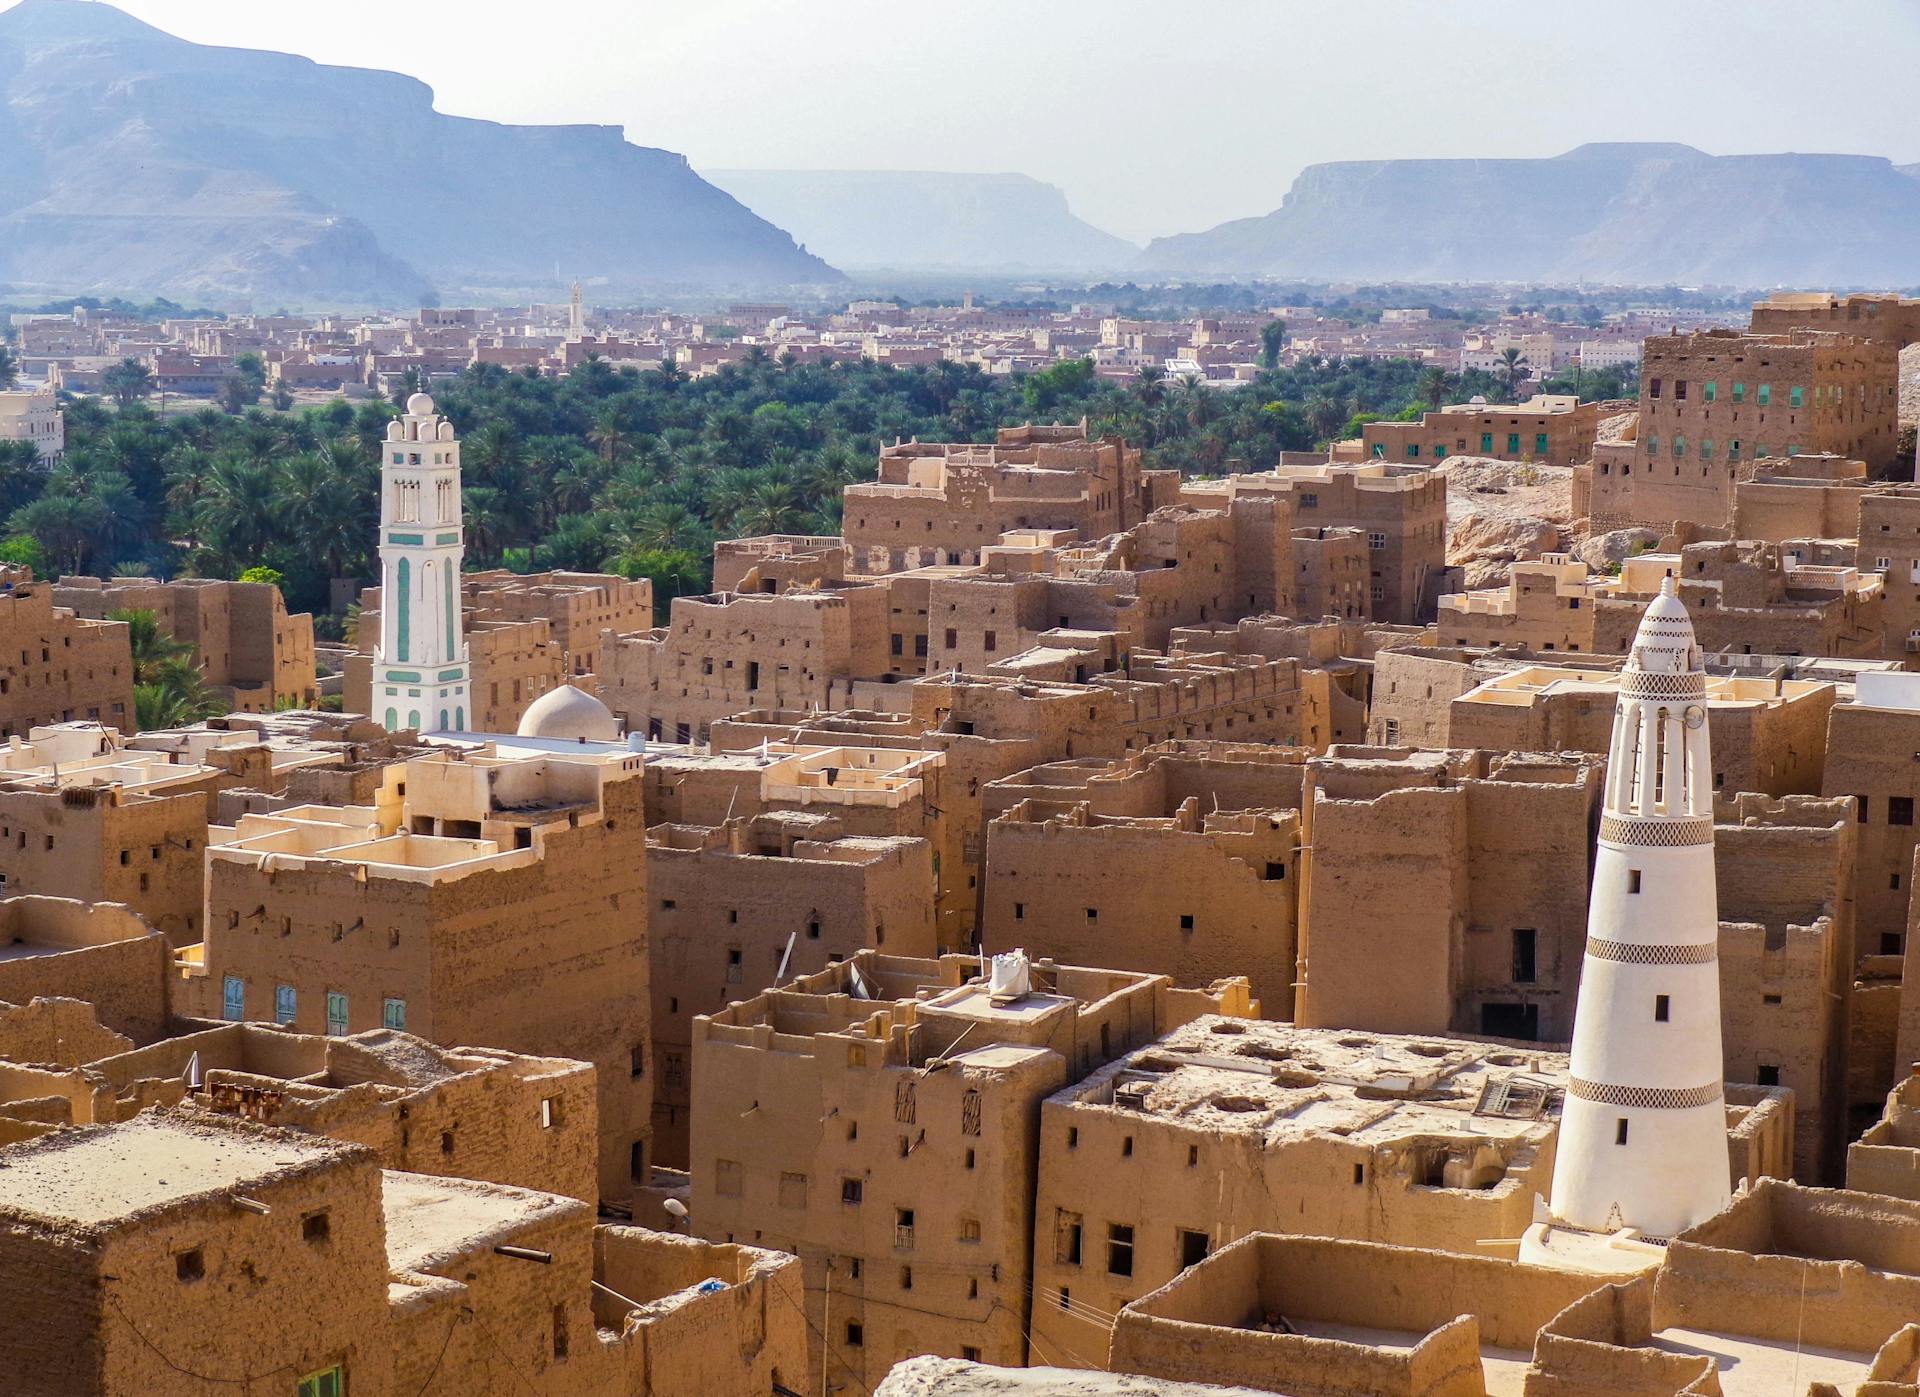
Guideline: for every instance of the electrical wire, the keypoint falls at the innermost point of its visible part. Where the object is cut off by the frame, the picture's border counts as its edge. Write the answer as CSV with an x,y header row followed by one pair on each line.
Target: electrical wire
x,y
507,1358
246,1381
445,1343
825,1343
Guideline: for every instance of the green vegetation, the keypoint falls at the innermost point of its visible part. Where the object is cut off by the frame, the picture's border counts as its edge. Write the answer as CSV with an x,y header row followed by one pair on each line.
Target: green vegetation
x,y
168,689
629,471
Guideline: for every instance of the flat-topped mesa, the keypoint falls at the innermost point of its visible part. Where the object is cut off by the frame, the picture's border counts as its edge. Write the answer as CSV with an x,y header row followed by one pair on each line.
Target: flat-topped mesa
x,y
1643,1141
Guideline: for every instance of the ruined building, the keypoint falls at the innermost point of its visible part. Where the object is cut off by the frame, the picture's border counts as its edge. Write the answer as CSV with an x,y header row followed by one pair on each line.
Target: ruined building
x,y
905,1095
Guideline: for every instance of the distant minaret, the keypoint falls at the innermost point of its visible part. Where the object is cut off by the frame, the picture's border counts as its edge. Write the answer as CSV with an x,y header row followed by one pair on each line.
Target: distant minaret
x,y
1643,1135
576,316
421,678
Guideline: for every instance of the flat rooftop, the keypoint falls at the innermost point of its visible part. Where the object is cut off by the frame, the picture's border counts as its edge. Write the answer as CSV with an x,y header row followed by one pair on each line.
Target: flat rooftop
x,y
1525,686
1257,1077
432,1222
955,1377
102,1174
1765,1367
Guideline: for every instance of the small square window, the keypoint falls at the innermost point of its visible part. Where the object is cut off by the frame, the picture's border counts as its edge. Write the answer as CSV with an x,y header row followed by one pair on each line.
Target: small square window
x,y
851,1190
1633,880
1662,1008
856,1334
189,1265
316,1227
1620,1131
1768,1074
1186,921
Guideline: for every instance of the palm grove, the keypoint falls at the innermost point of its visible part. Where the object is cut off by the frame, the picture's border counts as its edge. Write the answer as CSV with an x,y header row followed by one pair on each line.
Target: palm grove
x,y
630,471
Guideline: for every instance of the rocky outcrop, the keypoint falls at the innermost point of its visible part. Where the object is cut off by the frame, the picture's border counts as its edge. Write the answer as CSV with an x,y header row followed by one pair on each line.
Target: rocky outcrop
x,y
1647,214
909,220
1501,512
1605,552
132,162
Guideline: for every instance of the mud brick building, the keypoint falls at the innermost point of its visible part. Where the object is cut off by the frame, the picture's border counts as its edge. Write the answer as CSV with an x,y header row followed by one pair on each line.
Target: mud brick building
x,y
494,898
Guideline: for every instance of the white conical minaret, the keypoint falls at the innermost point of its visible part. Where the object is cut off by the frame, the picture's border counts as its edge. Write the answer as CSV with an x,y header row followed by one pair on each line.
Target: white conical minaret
x,y
1643,1135
421,678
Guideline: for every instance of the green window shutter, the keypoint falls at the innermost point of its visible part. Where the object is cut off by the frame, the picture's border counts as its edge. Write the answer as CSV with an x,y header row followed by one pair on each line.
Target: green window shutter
x,y
1539,443
1513,442
1679,445
1765,395
1486,443
1739,392
403,599
1796,396
1710,390
446,573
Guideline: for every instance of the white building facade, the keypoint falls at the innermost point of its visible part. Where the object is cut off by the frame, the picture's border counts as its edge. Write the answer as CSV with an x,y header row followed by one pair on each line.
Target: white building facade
x,y
34,416
421,675
1643,1133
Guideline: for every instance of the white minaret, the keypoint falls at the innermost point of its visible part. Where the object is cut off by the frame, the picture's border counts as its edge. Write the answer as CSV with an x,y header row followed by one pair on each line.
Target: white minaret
x,y
576,316
421,678
1643,1134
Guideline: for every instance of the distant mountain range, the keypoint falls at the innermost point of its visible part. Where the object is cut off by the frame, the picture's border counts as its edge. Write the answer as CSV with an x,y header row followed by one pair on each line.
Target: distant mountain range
x,y
1642,214
920,221
133,162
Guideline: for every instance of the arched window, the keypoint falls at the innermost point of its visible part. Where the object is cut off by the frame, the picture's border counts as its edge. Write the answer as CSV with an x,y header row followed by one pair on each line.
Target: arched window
x,y
403,600
413,719
393,720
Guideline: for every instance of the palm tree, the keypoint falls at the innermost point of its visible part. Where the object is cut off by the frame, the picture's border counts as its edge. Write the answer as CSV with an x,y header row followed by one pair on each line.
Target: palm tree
x,y
153,649
1512,370
609,433
127,382
22,477
1435,386
64,526
176,698
1150,385
236,512
773,507
9,368
1325,416
665,527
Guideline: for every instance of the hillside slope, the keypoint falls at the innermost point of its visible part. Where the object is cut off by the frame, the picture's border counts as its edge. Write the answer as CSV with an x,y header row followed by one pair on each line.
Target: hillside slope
x,y
1624,213
135,162
925,221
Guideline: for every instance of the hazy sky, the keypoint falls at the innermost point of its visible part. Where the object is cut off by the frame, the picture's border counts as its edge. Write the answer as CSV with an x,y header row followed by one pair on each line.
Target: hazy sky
x,y
1156,116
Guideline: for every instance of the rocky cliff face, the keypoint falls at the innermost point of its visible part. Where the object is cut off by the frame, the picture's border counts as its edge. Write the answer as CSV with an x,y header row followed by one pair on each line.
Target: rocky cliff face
x,y
1625,213
905,220
135,162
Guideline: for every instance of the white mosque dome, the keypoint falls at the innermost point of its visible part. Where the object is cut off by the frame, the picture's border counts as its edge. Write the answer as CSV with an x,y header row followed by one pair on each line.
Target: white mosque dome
x,y
570,715
419,405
